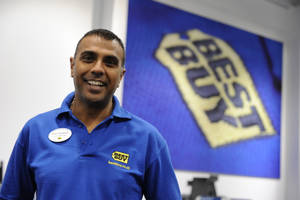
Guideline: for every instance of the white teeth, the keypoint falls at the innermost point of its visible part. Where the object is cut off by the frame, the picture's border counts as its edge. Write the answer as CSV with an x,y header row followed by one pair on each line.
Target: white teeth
x,y
97,83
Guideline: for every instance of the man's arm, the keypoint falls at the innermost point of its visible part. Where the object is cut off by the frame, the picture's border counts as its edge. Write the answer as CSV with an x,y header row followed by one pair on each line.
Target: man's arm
x,y
160,179
18,182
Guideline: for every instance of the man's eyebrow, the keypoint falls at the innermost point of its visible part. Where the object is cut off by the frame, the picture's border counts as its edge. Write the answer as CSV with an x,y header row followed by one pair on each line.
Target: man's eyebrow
x,y
90,53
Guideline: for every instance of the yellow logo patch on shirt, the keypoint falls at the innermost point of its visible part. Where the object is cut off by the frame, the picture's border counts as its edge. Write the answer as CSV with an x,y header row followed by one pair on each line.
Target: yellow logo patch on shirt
x,y
216,87
121,157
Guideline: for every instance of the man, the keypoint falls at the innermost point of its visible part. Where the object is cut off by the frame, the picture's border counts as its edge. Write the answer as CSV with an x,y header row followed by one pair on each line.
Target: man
x,y
90,148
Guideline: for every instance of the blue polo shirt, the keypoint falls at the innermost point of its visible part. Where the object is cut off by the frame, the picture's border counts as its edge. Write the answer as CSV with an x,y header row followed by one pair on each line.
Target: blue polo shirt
x,y
124,157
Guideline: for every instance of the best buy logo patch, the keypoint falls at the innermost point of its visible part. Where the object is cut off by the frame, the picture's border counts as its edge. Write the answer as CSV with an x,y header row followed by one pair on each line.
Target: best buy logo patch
x,y
216,87
121,157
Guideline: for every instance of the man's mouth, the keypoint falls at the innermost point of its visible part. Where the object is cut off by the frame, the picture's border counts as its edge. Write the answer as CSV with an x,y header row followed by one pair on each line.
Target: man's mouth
x,y
96,83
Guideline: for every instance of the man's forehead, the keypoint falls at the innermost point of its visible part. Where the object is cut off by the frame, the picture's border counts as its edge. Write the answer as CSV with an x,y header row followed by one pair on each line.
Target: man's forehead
x,y
95,41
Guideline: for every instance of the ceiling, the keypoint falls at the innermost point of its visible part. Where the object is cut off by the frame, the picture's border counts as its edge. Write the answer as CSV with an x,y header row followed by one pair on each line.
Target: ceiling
x,y
288,4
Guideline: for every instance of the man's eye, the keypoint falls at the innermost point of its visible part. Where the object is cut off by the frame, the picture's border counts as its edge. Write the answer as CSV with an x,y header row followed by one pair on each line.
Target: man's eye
x,y
88,58
111,61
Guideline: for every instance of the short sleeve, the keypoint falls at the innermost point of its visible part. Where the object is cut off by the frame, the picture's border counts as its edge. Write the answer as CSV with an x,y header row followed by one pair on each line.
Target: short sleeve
x,y
160,180
18,182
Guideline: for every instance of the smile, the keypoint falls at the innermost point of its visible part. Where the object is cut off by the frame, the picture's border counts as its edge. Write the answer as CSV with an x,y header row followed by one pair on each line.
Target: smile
x,y
96,83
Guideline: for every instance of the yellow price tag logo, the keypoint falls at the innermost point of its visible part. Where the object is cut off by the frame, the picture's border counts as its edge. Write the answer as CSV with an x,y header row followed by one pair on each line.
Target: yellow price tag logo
x,y
121,157
216,87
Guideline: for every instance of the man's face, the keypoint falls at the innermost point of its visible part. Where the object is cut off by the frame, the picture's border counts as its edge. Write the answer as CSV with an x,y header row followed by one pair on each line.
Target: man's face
x,y
97,69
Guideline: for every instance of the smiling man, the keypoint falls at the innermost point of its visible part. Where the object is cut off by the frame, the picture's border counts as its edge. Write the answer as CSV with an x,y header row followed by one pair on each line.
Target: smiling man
x,y
97,69
91,148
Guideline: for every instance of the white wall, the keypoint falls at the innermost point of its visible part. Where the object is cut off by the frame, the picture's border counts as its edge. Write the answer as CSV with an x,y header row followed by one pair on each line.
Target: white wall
x,y
278,23
37,38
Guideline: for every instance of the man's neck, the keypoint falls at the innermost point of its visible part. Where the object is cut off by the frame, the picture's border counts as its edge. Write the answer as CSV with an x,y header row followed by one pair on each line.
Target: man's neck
x,y
91,114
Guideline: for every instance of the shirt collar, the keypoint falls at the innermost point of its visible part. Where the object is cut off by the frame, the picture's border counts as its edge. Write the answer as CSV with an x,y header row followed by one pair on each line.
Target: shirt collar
x,y
118,111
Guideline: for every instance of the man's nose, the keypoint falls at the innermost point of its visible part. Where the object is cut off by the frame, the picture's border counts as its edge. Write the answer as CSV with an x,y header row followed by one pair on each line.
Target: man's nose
x,y
98,68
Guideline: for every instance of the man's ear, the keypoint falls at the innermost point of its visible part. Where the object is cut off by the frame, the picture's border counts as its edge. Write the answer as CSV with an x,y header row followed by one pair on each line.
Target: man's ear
x,y
122,73
72,64
123,70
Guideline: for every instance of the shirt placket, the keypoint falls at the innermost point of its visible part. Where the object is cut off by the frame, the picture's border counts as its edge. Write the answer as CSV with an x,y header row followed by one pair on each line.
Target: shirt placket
x,y
88,142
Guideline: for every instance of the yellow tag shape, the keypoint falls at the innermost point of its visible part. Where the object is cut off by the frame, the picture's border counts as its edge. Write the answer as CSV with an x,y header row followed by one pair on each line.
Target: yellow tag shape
x,y
216,87
121,157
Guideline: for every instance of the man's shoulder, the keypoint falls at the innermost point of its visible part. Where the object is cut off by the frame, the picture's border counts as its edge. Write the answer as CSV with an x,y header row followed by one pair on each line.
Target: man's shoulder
x,y
144,128
139,122
37,126
45,116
